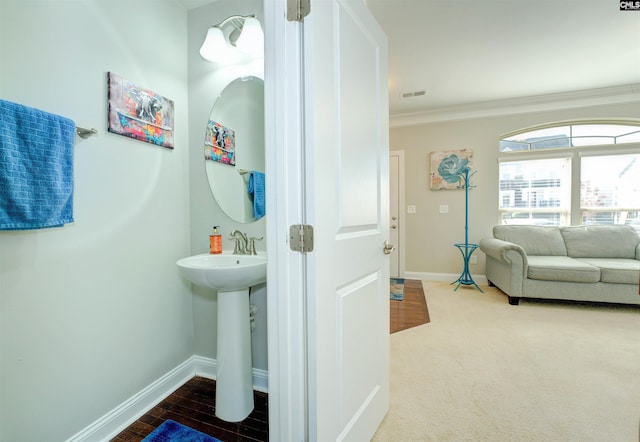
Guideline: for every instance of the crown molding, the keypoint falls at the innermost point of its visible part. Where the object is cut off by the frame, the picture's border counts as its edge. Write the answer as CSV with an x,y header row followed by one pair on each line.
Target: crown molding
x,y
540,103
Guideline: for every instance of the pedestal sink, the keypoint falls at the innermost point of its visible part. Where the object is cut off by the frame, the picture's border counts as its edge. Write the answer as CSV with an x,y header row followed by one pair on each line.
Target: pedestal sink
x,y
232,276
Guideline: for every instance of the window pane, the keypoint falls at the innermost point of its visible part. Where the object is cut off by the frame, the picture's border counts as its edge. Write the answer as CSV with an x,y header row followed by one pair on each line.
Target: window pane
x,y
611,130
592,141
550,132
550,143
628,217
599,134
630,138
610,189
550,138
535,191
513,146
540,219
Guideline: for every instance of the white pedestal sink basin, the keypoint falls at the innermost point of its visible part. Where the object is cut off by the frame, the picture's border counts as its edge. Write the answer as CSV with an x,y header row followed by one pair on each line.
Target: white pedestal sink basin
x,y
232,276
225,271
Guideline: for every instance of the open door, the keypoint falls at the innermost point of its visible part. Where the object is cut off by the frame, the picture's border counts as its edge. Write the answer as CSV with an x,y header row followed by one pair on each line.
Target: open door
x,y
347,203
327,166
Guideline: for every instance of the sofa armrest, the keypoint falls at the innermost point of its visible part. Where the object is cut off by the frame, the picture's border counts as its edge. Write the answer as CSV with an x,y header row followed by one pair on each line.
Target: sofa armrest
x,y
497,249
506,265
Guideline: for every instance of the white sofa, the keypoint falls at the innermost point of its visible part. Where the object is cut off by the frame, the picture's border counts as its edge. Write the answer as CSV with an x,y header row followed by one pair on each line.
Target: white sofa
x,y
598,263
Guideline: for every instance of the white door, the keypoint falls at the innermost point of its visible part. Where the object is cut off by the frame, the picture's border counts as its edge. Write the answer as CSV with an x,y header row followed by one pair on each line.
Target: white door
x,y
394,213
347,202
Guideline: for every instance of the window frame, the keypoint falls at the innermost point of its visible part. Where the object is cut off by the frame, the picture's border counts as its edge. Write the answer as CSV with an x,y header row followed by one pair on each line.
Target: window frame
x,y
575,154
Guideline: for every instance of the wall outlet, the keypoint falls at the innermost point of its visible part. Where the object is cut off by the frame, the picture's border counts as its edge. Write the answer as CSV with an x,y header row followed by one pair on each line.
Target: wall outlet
x,y
444,208
411,209
473,260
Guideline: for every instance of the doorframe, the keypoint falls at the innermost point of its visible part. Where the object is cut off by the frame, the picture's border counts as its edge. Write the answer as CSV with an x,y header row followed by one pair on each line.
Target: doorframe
x,y
286,280
402,211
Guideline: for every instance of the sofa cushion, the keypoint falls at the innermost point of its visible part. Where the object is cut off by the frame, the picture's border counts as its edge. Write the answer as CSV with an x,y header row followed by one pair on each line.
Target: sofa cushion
x,y
604,241
561,268
621,271
535,240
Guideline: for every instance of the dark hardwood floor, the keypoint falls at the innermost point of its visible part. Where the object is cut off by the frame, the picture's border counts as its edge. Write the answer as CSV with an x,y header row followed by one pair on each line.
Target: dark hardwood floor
x,y
193,405
410,312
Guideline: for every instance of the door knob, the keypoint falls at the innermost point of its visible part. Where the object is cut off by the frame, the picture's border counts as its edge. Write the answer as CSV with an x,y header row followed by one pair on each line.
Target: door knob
x,y
388,248
393,226
394,218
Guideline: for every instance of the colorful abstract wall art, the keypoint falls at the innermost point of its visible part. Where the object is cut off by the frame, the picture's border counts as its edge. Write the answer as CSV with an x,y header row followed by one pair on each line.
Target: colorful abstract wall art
x,y
220,143
139,113
447,168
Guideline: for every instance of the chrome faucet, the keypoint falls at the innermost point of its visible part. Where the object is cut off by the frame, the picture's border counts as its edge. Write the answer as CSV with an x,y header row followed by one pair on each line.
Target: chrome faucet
x,y
241,247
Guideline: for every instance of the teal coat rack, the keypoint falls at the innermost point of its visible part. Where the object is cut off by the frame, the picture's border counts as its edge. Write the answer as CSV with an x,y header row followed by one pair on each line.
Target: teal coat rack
x,y
466,248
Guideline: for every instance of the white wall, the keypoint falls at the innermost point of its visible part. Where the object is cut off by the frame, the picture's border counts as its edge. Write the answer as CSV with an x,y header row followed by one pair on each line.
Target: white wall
x,y
93,312
430,235
206,82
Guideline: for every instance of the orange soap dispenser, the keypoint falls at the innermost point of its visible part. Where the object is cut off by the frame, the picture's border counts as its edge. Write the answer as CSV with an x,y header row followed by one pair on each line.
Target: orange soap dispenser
x,y
215,242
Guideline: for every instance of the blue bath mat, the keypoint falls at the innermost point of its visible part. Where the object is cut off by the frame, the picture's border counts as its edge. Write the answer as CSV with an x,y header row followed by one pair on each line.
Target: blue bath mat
x,y
171,431
397,289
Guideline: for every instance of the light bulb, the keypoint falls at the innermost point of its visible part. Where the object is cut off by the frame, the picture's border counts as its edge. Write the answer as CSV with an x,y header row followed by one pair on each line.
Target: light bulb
x,y
251,39
216,48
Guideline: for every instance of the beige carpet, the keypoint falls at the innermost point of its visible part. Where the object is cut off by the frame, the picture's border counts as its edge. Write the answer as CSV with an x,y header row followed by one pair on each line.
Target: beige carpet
x,y
483,370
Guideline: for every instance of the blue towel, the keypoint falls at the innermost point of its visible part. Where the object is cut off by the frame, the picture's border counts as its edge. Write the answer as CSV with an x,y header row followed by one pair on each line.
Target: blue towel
x,y
36,168
256,188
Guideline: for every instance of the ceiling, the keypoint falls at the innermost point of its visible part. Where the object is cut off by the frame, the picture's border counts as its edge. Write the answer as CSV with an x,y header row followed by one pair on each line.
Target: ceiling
x,y
470,52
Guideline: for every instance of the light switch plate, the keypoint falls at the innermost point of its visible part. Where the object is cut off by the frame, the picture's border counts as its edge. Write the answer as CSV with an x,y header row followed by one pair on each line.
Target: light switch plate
x,y
411,209
444,208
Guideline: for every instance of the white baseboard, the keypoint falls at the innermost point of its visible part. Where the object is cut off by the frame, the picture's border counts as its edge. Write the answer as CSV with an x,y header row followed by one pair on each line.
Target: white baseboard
x,y
450,277
206,367
115,421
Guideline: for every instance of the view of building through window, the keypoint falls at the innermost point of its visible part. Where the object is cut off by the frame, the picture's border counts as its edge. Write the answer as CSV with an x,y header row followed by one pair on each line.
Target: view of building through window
x,y
610,189
535,191
539,184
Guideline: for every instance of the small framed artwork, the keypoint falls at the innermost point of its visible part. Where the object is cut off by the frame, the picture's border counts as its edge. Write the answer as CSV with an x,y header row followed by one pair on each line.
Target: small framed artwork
x,y
447,167
139,113
220,143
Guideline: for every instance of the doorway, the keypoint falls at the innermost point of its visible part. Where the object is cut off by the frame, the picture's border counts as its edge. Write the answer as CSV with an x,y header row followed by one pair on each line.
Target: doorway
x,y
396,213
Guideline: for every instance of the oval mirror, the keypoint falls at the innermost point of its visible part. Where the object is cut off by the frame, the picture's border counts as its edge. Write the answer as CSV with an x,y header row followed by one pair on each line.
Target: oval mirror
x,y
234,146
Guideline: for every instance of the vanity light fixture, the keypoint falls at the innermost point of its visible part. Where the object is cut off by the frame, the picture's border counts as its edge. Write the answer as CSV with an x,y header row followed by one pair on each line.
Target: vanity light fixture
x,y
235,38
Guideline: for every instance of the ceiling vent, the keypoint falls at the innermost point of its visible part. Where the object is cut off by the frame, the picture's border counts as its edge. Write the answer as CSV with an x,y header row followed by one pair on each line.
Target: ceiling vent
x,y
420,93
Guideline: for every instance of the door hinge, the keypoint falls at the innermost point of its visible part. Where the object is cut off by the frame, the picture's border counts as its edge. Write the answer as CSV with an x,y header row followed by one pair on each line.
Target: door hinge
x,y
301,238
297,10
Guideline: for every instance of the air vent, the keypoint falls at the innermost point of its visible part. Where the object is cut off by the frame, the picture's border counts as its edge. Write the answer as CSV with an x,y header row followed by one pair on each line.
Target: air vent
x,y
412,94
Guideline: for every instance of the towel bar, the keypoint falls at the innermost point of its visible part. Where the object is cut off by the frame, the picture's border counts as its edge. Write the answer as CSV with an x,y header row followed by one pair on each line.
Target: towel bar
x,y
243,171
85,133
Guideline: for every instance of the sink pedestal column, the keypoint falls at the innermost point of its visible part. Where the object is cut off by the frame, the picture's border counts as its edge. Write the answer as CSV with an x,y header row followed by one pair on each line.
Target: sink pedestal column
x,y
234,381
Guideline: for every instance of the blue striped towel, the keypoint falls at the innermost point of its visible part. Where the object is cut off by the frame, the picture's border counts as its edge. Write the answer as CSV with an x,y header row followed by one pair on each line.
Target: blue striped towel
x,y
36,168
256,188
